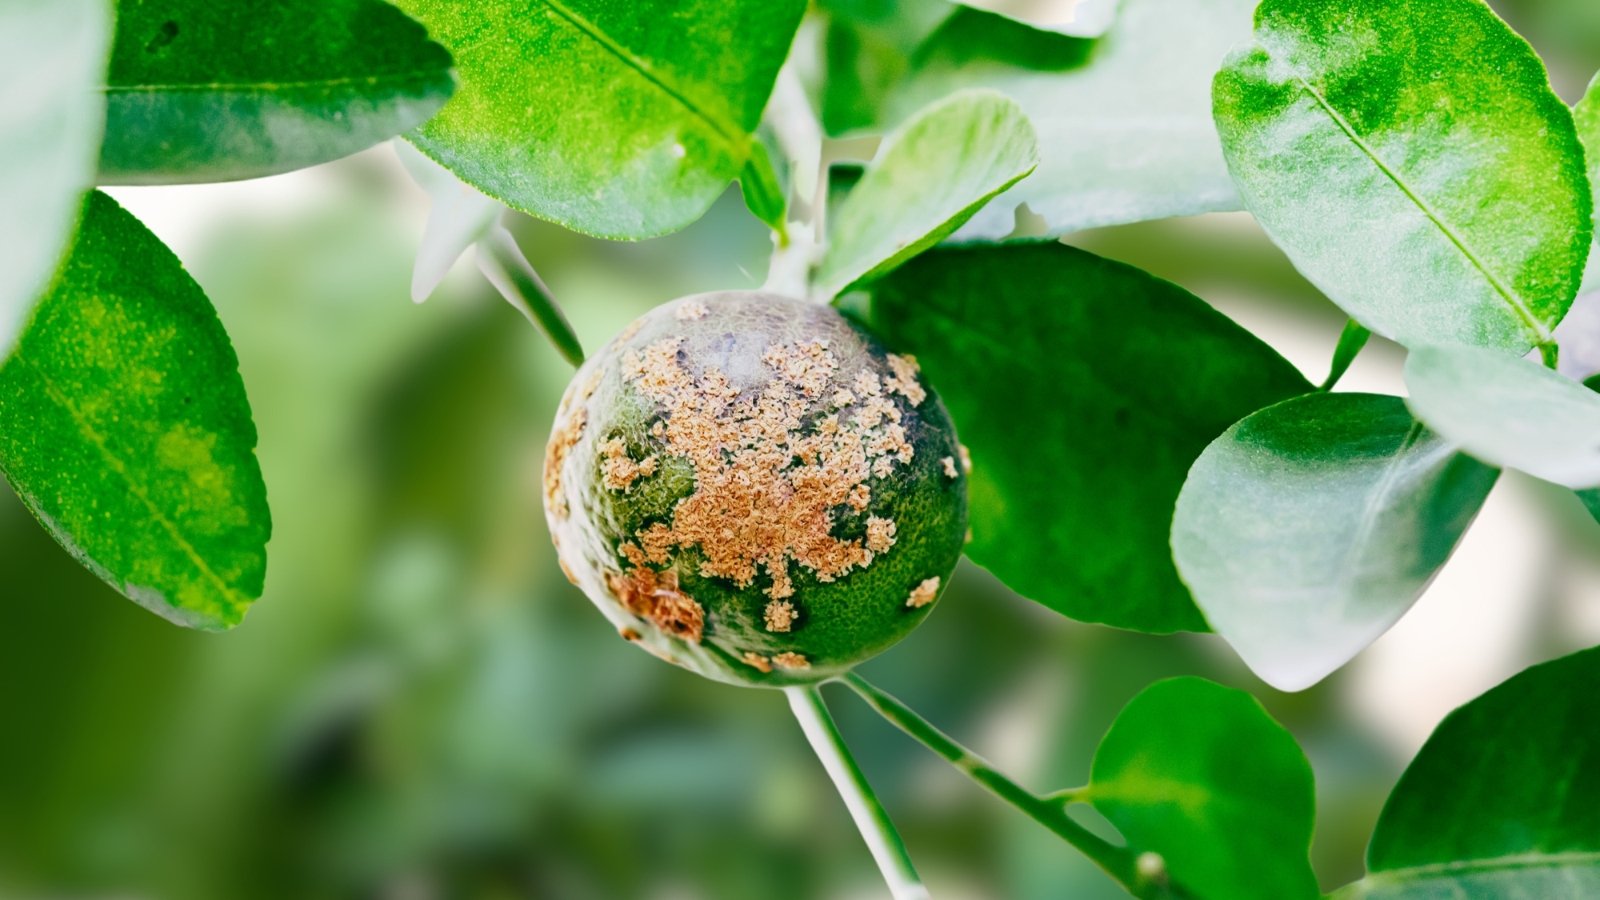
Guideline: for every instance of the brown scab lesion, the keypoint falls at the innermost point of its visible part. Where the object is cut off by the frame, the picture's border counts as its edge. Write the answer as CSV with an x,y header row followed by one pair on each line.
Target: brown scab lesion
x,y
791,660
767,480
950,471
923,593
562,440
779,616
690,311
655,596
757,661
618,470
903,379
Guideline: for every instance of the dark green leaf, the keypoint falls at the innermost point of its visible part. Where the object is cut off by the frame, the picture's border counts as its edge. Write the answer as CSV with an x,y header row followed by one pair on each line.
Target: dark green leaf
x,y
868,47
621,120
124,427
1125,130
1508,412
52,54
1310,527
1503,801
929,177
1200,774
205,91
1411,159
1084,389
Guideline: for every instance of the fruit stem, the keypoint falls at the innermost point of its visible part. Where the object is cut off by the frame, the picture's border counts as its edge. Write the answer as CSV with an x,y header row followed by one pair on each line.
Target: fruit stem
x,y
1121,863
876,829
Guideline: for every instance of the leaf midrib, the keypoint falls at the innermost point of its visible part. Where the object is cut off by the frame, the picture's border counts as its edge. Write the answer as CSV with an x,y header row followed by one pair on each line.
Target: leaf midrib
x,y
722,129
269,87
1516,303
233,597
1487,864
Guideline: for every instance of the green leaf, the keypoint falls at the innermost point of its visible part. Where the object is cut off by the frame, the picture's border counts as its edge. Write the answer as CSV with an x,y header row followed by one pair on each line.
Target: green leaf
x,y
203,91
52,55
1591,498
763,192
1124,122
1508,412
1202,775
1587,118
125,429
1084,388
1411,159
1503,801
619,120
929,177
1078,18
1310,527
868,47
1351,340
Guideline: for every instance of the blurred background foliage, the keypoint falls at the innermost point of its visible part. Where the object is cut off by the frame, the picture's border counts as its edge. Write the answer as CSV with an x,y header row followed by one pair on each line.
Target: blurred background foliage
x,y
422,707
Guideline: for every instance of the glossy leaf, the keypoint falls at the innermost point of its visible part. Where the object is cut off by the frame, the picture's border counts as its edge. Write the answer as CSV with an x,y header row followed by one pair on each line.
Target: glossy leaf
x,y
1201,774
1312,526
1411,159
124,427
1508,412
929,177
52,55
616,119
1083,388
1503,801
203,91
1078,18
1124,122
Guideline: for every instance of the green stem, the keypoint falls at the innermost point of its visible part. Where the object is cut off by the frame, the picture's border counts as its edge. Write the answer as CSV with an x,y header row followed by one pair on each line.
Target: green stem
x,y
1351,340
1550,354
1140,874
501,261
876,829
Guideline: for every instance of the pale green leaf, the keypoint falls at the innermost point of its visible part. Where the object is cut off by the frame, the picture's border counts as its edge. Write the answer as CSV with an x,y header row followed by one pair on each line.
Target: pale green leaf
x,y
1411,159
621,120
1201,775
52,56
1124,122
1508,412
1310,527
124,427
929,177
206,91
1503,801
1084,389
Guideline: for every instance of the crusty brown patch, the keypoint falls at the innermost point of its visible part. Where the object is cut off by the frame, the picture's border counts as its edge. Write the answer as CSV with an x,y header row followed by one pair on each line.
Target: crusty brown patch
x,y
618,470
655,596
758,662
880,534
779,615
903,379
791,660
766,484
690,310
949,464
562,440
924,593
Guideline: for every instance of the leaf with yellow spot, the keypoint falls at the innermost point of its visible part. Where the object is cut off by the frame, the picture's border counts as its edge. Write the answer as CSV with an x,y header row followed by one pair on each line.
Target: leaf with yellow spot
x,y
125,429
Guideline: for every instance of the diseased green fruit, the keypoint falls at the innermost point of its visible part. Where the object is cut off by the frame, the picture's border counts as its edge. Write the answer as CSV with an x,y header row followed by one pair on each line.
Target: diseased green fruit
x,y
750,487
